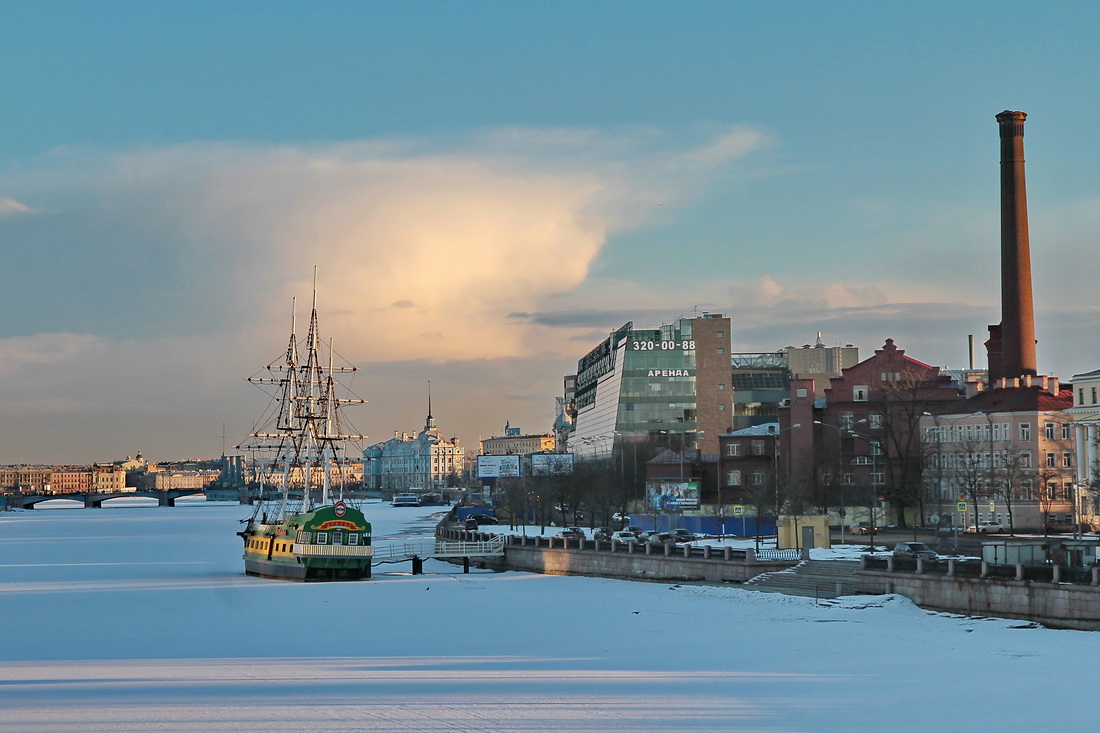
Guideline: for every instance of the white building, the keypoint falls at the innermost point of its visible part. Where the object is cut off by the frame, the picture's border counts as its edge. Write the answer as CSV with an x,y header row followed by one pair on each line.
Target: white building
x,y
1086,416
425,460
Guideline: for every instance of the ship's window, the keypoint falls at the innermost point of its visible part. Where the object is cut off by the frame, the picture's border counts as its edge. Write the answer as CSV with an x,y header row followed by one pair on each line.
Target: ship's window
x,y
337,538
322,538
353,538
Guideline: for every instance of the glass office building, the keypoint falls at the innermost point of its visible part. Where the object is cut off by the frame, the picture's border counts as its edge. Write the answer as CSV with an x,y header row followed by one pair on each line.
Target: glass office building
x,y
668,383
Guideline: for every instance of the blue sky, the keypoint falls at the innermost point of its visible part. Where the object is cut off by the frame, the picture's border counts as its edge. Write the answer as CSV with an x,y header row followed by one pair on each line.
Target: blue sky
x,y
488,188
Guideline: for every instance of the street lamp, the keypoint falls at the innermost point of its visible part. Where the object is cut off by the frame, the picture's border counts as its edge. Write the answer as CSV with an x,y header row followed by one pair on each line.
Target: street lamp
x,y
875,445
840,452
775,474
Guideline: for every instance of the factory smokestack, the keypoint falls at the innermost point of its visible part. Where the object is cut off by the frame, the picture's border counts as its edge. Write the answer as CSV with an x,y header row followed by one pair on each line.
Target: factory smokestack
x,y
1011,345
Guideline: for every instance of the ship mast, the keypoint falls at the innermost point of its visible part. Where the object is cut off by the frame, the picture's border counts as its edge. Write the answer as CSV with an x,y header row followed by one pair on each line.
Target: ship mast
x,y
306,422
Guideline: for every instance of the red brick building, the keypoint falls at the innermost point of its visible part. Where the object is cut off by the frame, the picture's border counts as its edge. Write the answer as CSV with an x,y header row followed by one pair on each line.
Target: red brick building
x,y
860,447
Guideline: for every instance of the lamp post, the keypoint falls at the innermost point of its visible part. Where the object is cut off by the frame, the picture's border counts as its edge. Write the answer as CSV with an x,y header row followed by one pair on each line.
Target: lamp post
x,y
875,445
840,452
775,475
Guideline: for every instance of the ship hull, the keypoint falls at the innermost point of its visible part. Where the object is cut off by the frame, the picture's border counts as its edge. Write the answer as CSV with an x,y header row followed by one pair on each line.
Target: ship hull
x,y
332,570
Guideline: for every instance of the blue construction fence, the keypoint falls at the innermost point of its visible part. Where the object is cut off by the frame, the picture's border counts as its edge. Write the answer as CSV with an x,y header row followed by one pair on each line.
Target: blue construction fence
x,y
731,526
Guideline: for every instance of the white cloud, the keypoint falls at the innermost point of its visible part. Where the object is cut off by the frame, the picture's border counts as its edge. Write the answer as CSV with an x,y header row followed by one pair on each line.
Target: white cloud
x,y
11,207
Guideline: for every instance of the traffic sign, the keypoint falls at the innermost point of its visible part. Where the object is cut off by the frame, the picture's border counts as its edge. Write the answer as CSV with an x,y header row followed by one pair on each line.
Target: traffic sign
x,y
738,510
961,506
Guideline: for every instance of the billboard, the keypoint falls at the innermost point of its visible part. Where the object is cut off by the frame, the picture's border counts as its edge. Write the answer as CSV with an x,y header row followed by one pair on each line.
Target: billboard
x,y
551,464
671,496
498,466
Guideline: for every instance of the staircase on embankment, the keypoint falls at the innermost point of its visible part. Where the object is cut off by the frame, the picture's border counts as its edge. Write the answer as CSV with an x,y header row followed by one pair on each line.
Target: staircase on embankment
x,y
811,578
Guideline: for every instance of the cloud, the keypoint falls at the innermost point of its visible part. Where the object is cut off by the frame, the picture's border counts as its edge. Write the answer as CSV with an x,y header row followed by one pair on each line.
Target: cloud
x,y
24,355
11,207
185,259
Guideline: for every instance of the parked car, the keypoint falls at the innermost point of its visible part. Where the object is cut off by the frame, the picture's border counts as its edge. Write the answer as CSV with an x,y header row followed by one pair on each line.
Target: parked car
x,y
620,517
470,524
662,538
863,528
636,531
624,536
987,528
914,550
575,533
1067,527
484,519
682,535
601,533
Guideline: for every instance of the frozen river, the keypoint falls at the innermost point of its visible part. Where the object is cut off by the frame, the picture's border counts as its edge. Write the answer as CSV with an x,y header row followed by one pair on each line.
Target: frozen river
x,y
139,618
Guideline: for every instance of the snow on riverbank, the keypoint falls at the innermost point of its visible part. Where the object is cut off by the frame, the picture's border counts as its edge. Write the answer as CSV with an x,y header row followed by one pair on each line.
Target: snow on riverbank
x,y
139,618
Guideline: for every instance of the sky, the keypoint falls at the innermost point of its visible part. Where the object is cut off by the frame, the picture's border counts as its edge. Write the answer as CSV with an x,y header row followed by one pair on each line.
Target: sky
x,y
122,639
488,189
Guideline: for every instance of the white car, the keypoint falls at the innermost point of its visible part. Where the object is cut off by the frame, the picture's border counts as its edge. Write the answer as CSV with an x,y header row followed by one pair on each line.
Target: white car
x,y
623,536
988,528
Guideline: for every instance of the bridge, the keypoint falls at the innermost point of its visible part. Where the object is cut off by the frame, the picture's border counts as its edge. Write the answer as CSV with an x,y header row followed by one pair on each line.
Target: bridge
x,y
94,499
419,550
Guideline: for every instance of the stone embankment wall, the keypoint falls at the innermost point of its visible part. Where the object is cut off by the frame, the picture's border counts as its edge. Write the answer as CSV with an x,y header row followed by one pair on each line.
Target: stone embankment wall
x,y
557,556
1054,604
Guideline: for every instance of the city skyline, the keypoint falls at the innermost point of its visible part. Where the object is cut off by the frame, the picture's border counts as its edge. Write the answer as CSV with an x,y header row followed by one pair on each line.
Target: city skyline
x,y
488,190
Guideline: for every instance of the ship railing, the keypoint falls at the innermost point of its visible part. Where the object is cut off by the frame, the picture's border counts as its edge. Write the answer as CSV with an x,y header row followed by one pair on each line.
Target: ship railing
x,y
302,550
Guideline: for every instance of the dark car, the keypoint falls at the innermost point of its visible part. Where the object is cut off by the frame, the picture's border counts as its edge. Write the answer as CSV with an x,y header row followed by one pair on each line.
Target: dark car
x,y
601,533
636,531
662,538
574,533
470,524
682,535
483,519
914,550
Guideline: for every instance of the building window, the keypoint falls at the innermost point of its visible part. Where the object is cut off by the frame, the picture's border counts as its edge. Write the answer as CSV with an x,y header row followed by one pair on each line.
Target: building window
x,y
800,392
733,449
1067,460
1067,431
875,421
847,479
1081,395
721,387
846,420
1051,461
859,393
878,478
758,447
757,478
720,334
733,478
1094,395
1025,459
1025,432
1048,430
721,408
721,350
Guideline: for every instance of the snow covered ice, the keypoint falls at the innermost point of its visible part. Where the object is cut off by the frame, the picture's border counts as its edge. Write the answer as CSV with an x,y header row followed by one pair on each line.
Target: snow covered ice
x,y
139,618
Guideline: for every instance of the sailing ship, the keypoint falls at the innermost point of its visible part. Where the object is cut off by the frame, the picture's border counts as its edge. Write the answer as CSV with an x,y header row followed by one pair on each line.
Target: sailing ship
x,y
298,529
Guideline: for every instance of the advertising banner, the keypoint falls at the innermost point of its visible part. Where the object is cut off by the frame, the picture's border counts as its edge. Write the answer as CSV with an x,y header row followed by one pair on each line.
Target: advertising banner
x,y
498,466
671,496
552,464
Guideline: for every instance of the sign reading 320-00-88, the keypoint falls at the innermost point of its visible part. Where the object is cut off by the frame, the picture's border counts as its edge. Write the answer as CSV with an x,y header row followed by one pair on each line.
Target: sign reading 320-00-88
x,y
670,345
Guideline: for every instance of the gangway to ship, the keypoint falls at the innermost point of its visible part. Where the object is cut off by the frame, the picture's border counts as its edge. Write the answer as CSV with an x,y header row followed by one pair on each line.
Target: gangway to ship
x,y
419,550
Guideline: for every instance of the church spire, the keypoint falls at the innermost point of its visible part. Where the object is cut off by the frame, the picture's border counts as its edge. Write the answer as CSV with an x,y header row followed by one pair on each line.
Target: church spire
x,y
429,424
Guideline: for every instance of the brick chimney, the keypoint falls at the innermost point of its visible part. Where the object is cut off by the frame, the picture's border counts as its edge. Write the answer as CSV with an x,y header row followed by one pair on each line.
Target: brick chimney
x,y
1014,337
